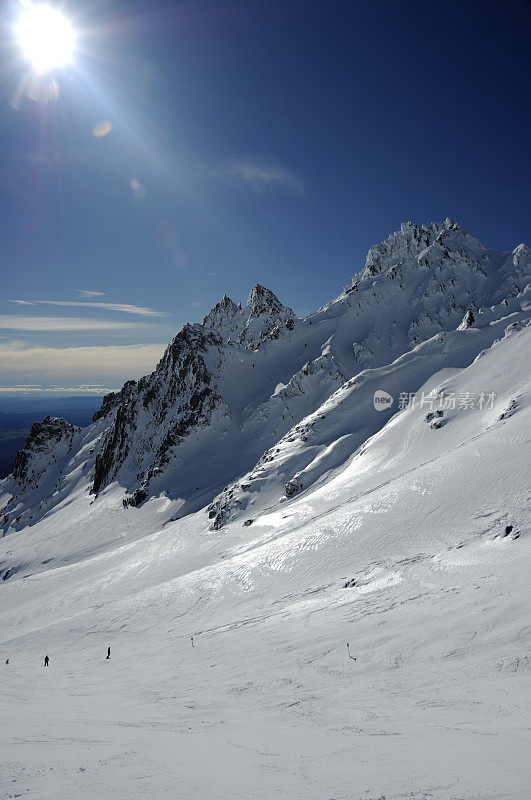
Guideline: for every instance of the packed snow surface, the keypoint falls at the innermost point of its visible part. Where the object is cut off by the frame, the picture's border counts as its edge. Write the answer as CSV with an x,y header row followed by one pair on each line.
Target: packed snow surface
x,y
404,532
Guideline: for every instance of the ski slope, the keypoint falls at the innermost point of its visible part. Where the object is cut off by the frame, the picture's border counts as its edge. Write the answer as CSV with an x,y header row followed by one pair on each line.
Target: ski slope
x,y
398,547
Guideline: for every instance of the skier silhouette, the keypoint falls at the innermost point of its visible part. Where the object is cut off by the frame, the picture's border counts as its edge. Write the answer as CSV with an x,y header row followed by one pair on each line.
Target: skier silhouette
x,y
46,661
7,661
108,652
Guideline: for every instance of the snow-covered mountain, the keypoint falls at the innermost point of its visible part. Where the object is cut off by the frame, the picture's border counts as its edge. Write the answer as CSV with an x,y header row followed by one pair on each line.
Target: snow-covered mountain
x,y
230,392
278,487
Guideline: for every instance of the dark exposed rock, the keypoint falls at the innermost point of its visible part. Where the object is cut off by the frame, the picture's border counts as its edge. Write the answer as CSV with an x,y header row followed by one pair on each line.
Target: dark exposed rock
x,y
509,532
468,319
159,409
510,410
112,401
139,495
292,487
263,301
40,448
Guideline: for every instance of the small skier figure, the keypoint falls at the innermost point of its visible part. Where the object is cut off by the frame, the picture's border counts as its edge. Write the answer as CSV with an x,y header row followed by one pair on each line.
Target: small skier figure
x,y
108,652
192,640
46,661
7,661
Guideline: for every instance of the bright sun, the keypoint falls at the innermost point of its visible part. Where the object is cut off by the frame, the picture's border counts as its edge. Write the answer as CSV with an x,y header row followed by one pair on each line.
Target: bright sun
x,y
46,37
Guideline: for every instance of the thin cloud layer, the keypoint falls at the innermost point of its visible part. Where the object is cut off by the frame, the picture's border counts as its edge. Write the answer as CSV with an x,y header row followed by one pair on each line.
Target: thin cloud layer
x,y
262,177
88,293
33,388
16,322
97,366
123,307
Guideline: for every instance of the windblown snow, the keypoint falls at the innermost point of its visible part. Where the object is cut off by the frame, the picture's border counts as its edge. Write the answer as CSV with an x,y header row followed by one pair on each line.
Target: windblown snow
x,y
252,493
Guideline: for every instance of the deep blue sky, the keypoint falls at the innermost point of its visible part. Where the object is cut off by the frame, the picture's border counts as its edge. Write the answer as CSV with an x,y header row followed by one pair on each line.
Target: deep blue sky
x,y
272,142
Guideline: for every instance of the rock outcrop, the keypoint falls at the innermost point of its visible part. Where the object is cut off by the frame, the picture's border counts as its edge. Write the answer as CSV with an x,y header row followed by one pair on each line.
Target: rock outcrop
x,y
47,442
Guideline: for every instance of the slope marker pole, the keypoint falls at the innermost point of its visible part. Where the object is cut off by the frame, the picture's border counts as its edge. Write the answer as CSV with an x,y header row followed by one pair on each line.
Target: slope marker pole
x,y
348,651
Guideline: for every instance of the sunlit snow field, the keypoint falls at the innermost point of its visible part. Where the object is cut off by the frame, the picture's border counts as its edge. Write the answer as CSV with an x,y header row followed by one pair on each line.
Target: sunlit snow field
x,y
267,703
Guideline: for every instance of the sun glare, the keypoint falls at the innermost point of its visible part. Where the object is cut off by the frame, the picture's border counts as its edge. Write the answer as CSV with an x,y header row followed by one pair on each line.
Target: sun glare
x,y
46,37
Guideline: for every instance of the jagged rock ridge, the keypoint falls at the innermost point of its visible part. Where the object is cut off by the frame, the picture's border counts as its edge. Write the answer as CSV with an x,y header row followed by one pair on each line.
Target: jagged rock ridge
x,y
229,391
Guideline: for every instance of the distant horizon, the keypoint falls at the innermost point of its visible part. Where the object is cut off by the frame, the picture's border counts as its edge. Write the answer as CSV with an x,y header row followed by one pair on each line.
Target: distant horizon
x,y
15,393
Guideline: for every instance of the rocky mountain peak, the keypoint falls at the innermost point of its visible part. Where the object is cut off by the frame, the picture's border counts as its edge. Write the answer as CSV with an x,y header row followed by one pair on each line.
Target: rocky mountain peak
x,y
154,414
424,244
402,245
263,301
223,312
220,385
43,444
265,318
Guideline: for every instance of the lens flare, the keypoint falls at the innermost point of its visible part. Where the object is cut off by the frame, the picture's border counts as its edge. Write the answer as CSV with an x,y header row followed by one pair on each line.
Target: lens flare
x,y
137,188
46,37
102,128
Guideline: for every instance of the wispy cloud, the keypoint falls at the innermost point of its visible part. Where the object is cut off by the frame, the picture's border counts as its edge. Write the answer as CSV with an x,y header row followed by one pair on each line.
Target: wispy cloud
x,y
123,307
88,293
16,322
99,366
32,388
262,177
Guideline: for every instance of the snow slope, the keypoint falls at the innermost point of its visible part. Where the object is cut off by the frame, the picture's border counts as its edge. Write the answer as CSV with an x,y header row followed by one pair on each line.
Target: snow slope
x,y
406,536
228,390
339,428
